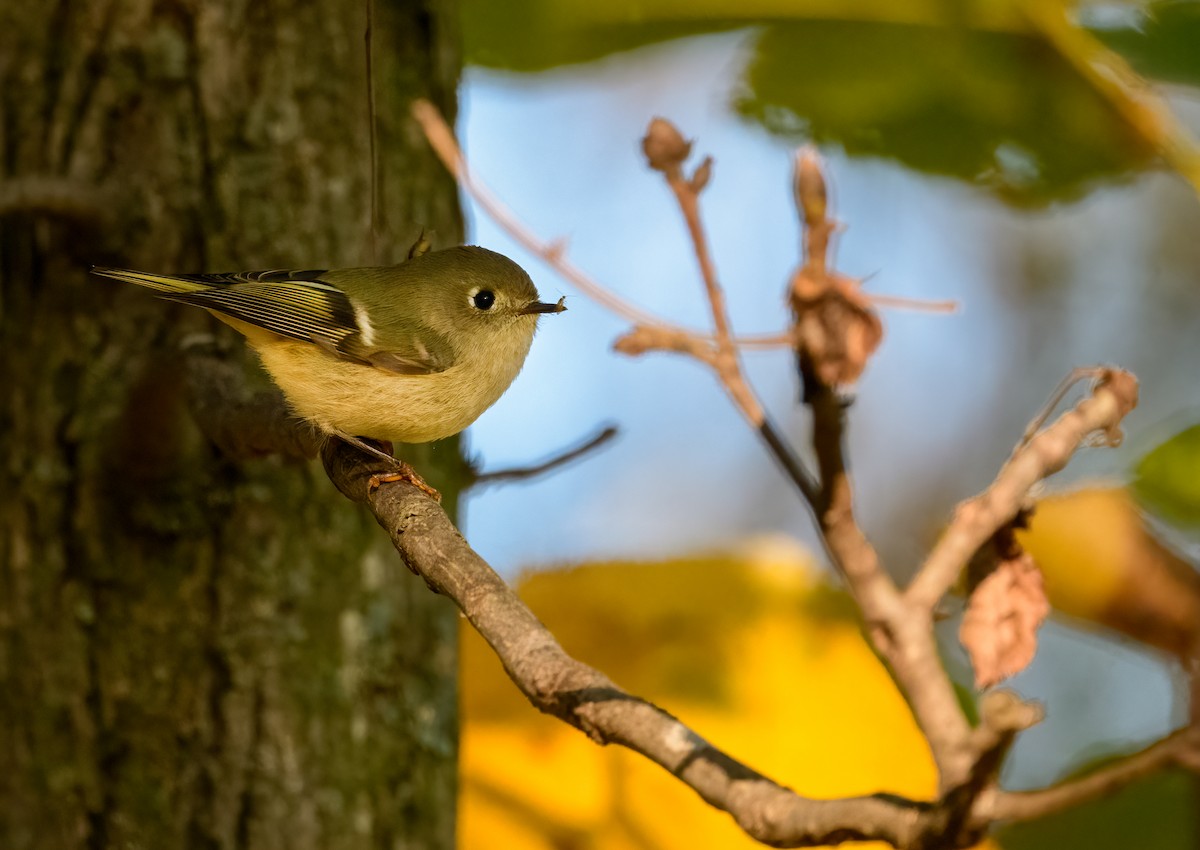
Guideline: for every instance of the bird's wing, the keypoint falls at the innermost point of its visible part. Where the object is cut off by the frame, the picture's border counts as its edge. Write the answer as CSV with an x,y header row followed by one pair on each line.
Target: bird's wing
x,y
296,304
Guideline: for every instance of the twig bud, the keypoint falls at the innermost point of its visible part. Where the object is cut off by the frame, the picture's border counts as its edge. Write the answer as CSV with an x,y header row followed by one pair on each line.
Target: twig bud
x,y
809,186
664,146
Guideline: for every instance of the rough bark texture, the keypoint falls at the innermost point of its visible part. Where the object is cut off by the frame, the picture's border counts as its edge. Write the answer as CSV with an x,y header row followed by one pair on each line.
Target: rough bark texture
x,y
196,653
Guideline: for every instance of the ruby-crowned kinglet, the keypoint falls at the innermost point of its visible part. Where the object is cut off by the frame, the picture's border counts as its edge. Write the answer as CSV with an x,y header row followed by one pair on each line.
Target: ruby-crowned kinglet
x,y
406,353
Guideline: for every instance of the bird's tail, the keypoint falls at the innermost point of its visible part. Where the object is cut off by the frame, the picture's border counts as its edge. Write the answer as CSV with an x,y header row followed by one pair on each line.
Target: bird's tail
x,y
172,284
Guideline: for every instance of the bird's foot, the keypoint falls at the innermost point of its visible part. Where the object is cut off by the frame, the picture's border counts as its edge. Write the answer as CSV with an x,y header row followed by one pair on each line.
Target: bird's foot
x,y
404,473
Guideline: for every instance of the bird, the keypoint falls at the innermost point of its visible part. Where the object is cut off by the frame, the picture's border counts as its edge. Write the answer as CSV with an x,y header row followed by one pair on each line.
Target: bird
x,y
408,353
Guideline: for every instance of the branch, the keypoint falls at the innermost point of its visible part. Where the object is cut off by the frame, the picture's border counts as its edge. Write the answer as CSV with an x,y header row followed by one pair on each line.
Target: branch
x,y
561,459
1113,395
558,685
666,152
1178,749
835,332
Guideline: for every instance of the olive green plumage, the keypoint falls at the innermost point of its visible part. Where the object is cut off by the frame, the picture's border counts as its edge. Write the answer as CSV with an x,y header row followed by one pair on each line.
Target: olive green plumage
x,y
408,353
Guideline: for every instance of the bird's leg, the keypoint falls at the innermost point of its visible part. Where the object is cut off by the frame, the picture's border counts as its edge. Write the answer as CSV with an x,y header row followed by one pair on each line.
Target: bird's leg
x,y
404,471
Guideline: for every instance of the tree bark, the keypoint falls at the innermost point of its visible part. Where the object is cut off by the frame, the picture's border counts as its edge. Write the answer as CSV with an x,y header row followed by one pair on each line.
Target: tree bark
x,y
197,652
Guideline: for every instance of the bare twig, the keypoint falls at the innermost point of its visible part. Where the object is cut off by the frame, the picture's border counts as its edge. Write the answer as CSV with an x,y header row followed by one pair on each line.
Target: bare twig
x,y
1176,749
559,460
977,519
441,138
829,312
666,151
921,305
1060,392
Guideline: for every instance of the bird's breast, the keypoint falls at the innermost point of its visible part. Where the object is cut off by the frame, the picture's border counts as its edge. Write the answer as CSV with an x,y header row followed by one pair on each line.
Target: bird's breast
x,y
340,396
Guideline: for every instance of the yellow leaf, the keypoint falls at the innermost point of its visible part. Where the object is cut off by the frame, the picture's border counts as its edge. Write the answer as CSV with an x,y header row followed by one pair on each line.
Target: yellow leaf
x,y
753,650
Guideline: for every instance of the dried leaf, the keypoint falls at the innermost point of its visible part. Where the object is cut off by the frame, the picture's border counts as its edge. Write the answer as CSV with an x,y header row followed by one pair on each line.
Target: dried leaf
x,y
836,328
702,175
999,628
1104,564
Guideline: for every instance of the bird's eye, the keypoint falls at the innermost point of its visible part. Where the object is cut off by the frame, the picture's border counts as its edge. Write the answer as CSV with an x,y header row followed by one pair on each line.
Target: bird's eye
x,y
484,299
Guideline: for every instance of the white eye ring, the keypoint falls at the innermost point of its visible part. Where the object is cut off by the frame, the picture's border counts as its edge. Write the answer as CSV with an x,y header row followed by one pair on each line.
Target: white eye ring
x,y
473,297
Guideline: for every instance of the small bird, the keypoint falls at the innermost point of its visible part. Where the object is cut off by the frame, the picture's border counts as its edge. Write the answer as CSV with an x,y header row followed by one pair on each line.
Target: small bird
x,y
407,353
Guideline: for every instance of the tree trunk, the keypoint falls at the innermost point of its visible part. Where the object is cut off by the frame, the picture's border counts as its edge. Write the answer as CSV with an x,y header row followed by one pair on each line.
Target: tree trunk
x,y
195,652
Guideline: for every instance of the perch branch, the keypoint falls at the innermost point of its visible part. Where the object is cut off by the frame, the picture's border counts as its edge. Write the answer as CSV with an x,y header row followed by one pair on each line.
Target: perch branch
x,y
558,685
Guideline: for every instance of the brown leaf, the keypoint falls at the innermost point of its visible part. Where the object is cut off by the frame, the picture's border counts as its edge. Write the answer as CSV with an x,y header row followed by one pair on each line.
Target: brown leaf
x,y
999,628
836,328
702,175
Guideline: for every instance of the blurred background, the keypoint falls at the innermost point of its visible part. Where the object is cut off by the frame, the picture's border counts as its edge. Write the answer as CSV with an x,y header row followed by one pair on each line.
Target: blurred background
x,y
1028,159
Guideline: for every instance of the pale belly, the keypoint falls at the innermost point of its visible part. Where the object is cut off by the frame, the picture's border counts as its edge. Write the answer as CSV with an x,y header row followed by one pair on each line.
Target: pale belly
x,y
361,401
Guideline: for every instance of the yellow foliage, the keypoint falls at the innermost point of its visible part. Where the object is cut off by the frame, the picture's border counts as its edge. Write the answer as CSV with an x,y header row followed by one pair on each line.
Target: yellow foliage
x,y
1102,565
753,650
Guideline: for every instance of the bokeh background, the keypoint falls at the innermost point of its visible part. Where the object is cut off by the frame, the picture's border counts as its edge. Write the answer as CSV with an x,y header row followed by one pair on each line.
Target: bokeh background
x,y
996,153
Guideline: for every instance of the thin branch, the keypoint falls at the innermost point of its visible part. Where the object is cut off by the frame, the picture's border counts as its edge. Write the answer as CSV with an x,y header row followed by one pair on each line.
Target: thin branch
x,y
791,463
522,473
1060,392
977,519
921,305
830,316
441,139
666,152
1003,715
1178,749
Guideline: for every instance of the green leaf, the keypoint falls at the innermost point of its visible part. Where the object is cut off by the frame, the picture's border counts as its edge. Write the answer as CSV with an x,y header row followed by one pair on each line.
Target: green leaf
x,y
1168,478
971,90
998,109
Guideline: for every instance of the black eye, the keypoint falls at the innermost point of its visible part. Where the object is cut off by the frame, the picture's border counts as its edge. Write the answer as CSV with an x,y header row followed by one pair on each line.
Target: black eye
x,y
484,299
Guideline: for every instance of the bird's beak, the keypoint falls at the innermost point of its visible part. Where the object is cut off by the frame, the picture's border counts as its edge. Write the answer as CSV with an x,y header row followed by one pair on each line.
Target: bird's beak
x,y
541,307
